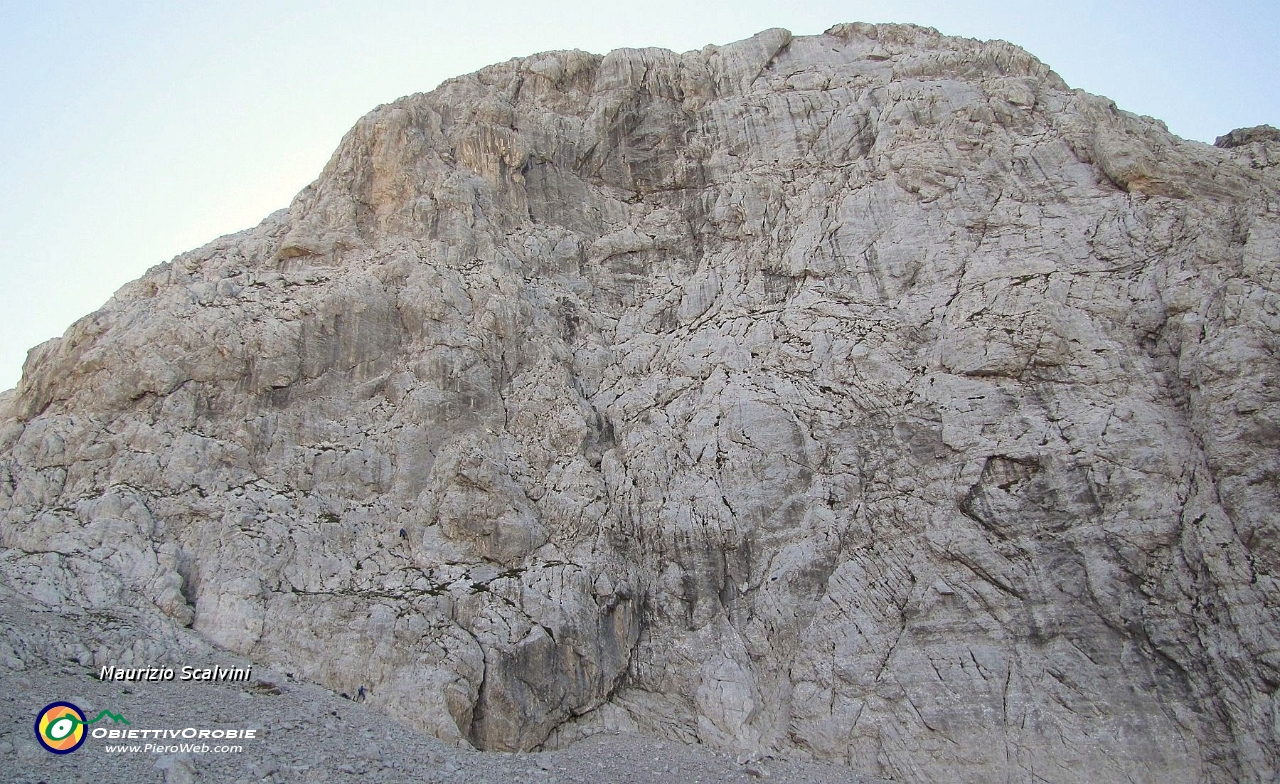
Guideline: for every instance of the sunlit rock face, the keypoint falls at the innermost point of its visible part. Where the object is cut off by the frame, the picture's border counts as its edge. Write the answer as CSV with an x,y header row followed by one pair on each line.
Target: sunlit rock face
x,y
869,396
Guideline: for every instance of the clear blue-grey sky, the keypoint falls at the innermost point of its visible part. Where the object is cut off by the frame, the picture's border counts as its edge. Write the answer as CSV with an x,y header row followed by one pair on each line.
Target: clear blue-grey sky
x,y
134,131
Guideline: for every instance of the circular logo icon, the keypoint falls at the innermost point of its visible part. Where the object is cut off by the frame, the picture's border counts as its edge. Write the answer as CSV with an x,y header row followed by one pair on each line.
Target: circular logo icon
x,y
60,727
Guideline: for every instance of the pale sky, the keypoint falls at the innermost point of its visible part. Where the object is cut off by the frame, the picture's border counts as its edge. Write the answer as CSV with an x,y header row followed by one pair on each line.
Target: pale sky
x,y
134,131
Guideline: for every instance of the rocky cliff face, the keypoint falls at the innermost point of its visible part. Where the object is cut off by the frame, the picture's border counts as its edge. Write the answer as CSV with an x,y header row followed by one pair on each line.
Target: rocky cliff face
x,y
869,396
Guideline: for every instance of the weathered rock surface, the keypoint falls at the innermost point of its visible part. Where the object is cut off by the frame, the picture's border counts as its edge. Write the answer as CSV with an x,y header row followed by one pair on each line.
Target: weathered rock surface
x,y
869,397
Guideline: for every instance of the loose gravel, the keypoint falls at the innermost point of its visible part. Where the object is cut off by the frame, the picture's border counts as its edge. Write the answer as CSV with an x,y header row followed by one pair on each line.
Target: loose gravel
x,y
304,733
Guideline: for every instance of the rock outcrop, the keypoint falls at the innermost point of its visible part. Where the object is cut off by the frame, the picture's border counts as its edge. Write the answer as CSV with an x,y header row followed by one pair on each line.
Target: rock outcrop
x,y
870,396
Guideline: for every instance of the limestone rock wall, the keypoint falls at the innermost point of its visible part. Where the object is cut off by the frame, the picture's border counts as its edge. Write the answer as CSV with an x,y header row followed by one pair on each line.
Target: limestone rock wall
x,y
869,396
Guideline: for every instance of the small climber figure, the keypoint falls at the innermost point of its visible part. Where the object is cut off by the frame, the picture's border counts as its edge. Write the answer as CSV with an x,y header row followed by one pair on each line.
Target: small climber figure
x,y
360,695
404,534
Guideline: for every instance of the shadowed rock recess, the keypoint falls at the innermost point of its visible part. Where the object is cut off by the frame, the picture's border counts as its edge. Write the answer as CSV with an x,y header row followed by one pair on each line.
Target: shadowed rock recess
x,y
870,397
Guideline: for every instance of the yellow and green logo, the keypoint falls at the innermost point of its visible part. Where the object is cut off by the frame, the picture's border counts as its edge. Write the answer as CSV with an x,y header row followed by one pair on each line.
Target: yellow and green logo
x,y
60,726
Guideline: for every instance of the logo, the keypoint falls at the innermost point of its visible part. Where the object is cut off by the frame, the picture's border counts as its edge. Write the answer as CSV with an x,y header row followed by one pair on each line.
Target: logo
x,y
60,726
